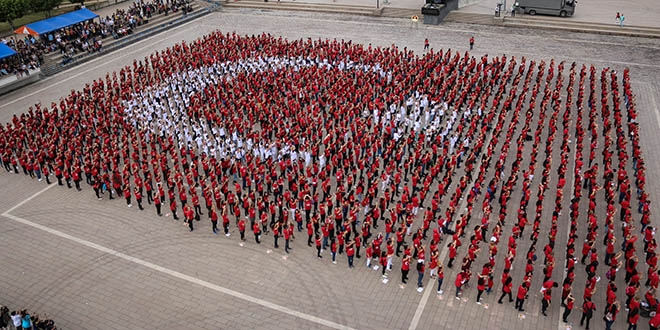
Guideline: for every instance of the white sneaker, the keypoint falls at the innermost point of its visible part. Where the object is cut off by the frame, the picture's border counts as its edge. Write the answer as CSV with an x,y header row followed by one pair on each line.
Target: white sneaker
x,y
478,302
457,298
130,205
227,234
440,291
334,262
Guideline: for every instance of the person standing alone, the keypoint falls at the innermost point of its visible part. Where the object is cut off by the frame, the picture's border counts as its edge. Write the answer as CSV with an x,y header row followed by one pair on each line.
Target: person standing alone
x,y
471,42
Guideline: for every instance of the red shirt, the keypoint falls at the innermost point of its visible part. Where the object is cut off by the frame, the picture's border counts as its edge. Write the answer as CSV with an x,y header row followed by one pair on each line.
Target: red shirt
x,y
522,292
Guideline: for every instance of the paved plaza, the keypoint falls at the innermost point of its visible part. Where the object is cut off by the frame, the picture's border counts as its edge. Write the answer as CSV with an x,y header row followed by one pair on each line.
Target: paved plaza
x,y
99,265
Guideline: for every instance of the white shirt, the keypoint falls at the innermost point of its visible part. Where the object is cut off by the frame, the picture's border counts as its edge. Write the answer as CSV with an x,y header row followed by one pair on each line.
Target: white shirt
x,y
16,319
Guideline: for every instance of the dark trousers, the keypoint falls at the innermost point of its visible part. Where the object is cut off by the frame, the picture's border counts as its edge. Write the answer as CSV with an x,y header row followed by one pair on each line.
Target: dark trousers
x,y
544,305
504,295
587,318
565,315
519,304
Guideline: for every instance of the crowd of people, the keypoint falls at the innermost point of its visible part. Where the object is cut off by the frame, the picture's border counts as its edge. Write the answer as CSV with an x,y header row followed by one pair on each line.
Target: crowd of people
x,y
28,57
22,319
374,152
84,37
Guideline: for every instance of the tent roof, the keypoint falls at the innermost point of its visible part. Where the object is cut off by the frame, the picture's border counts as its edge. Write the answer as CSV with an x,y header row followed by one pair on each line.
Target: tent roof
x,y
5,51
62,21
26,30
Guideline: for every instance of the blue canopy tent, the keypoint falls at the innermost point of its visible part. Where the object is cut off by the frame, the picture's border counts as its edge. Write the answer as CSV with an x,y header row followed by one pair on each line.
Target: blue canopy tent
x,y
62,21
5,51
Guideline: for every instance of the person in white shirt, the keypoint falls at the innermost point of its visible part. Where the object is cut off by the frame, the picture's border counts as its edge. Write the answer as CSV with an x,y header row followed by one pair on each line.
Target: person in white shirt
x,y
16,319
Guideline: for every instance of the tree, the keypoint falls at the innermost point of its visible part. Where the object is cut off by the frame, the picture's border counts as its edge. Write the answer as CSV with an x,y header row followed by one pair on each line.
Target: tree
x,y
81,2
11,10
45,6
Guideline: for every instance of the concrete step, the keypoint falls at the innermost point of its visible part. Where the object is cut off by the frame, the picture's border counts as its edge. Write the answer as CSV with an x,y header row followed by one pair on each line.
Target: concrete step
x,y
470,18
587,28
402,12
555,23
298,6
296,3
568,22
56,57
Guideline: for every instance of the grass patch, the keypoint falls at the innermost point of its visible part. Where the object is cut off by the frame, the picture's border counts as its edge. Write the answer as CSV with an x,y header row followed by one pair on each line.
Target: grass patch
x,y
5,29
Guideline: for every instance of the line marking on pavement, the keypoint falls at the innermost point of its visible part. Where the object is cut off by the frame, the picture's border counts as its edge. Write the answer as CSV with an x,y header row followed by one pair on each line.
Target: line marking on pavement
x,y
29,198
168,271
422,304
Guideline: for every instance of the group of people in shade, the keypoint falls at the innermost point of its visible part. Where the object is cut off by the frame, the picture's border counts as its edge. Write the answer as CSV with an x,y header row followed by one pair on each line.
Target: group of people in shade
x,y
372,152
23,320
84,37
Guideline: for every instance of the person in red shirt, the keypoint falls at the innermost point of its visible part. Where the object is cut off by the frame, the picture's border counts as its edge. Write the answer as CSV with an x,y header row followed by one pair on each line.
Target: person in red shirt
x,y
521,296
189,215
399,240
276,234
383,262
405,268
288,232
127,195
138,198
654,322
173,209
588,308
241,229
369,254
318,246
310,233
633,314
214,221
257,232
333,250
350,253
545,301
570,301
481,286
452,253
610,315
441,277
420,271
507,286
157,204
225,222
196,206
